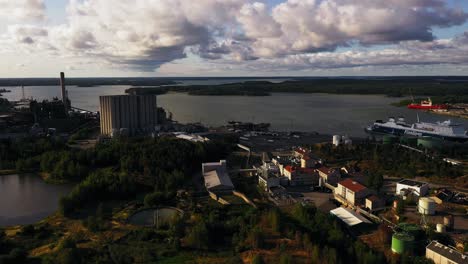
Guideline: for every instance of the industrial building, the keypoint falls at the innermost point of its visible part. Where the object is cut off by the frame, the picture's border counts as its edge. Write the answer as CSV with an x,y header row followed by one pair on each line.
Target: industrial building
x,y
349,217
301,176
328,175
442,254
216,177
373,202
418,188
128,115
352,191
268,175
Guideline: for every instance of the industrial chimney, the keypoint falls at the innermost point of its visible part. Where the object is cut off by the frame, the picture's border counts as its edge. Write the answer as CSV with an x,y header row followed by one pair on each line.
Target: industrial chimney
x,y
64,91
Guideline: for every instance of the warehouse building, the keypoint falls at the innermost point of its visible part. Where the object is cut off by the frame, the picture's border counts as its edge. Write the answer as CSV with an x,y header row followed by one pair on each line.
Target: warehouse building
x,y
216,177
352,191
442,254
349,217
128,115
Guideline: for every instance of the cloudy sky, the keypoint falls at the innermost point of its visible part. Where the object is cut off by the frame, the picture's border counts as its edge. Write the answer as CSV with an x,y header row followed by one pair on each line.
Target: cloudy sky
x,y
39,38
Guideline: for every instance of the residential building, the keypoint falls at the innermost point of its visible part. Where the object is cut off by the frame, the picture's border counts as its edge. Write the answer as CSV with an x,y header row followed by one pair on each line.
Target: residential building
x,y
352,191
128,114
328,175
418,188
442,254
216,177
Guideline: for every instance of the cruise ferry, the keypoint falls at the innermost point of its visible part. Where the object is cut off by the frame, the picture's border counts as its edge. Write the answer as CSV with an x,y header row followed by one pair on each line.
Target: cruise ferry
x,y
442,130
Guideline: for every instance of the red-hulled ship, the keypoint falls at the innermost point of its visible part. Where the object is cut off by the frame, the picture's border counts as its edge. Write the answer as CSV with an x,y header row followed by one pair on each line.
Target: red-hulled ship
x,y
427,105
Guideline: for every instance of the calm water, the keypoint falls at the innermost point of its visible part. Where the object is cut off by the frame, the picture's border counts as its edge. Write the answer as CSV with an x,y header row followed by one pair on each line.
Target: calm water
x,y
324,113
26,199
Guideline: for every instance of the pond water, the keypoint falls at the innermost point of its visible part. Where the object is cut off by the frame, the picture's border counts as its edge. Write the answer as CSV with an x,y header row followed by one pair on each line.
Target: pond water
x,y
26,199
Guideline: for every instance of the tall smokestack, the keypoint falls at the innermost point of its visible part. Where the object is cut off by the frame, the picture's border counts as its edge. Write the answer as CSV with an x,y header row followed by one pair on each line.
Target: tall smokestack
x,y
64,91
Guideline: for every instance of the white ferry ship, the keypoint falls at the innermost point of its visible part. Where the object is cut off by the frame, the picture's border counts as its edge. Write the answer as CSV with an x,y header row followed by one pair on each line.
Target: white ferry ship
x,y
443,130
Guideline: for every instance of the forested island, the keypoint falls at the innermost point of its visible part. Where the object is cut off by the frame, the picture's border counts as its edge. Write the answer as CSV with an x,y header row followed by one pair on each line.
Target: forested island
x,y
454,91
85,82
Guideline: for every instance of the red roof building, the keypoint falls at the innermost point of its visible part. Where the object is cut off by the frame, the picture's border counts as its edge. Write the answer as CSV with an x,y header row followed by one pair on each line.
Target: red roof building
x,y
352,191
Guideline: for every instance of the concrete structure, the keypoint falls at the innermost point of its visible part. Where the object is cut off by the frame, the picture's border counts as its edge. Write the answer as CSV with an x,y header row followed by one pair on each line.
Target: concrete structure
x,y
64,92
352,191
349,217
336,140
268,175
301,176
191,137
442,254
373,202
418,188
328,175
216,177
128,114
426,206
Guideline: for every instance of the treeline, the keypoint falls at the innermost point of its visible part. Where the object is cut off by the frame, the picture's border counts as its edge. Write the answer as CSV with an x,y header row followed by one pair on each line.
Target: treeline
x,y
395,87
4,104
162,165
394,160
306,230
85,82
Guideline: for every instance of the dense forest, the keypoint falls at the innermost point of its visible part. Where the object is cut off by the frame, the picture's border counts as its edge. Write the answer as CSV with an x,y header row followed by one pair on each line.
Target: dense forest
x,y
116,175
395,87
396,161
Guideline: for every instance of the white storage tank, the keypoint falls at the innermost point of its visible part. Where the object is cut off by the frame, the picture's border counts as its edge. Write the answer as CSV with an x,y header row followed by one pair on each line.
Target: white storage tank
x,y
348,142
440,228
426,206
336,140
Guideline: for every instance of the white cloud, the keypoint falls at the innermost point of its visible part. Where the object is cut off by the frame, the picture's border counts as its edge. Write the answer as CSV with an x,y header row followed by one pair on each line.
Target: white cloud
x,y
22,10
145,34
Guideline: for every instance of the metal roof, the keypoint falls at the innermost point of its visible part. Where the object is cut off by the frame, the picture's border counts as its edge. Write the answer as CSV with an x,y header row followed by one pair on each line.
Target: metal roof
x,y
348,216
216,178
448,252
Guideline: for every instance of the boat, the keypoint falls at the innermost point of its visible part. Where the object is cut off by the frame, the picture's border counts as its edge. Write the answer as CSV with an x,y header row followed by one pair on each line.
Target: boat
x,y
428,105
441,130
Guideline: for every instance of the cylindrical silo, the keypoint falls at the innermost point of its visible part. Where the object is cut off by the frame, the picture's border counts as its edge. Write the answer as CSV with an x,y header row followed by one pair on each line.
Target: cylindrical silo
x,y
440,228
336,140
402,243
426,206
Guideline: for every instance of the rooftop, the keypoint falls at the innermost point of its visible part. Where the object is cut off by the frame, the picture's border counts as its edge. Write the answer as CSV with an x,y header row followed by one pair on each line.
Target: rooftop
x,y
218,177
348,216
325,170
373,198
412,183
352,185
448,252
